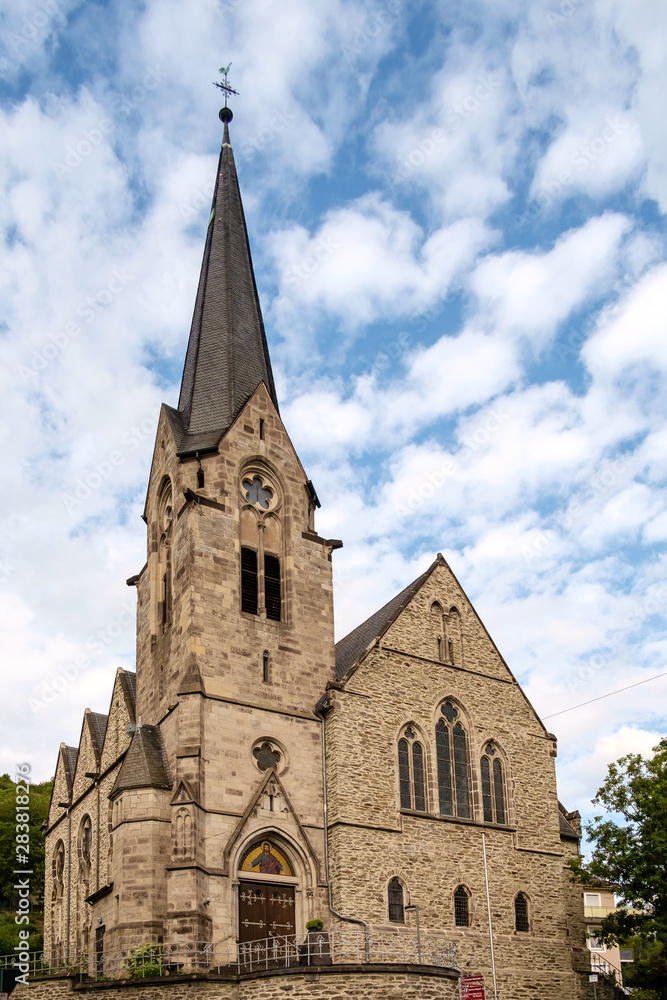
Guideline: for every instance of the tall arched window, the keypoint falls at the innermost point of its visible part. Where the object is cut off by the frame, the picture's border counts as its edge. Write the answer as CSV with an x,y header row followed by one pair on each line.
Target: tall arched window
x,y
85,845
396,909
411,772
521,921
261,581
493,786
165,520
453,770
462,907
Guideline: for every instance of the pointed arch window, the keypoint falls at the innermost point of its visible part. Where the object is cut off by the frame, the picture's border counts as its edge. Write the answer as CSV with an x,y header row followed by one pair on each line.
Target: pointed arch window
x,y
462,907
493,786
85,843
453,766
411,772
521,921
396,907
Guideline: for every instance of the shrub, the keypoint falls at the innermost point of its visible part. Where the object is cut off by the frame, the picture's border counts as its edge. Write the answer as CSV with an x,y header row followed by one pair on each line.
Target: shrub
x,y
145,961
315,925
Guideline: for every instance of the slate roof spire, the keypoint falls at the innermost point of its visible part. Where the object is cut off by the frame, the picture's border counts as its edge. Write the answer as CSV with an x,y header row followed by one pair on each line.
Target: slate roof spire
x,y
227,355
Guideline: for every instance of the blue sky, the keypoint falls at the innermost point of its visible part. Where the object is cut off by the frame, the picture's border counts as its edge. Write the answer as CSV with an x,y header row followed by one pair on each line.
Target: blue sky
x,y
457,222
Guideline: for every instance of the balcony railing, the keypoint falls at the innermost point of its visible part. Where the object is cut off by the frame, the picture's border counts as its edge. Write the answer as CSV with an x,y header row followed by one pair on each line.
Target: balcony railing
x,y
598,911
322,948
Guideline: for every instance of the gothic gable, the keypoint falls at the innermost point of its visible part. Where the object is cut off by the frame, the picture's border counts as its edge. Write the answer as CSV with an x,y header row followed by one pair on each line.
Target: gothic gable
x,y
270,809
121,716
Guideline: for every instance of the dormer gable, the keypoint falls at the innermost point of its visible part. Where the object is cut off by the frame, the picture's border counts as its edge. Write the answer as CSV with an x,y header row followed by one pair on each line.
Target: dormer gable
x,y
121,718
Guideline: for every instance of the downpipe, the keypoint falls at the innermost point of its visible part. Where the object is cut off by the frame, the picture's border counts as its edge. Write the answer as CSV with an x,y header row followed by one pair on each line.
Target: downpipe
x,y
349,920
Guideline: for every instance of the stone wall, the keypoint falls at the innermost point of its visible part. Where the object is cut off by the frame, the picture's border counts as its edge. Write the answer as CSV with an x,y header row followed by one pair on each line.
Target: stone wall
x,y
344,983
372,840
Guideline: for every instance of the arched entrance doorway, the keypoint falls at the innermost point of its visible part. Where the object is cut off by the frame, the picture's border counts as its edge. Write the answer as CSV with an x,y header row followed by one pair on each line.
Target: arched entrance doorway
x,y
266,893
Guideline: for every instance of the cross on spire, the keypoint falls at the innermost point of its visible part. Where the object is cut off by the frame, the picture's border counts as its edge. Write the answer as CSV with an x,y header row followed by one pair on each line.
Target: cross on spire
x,y
224,86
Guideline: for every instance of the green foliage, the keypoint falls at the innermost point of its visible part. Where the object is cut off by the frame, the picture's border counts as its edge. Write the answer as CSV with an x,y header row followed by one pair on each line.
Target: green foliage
x,y
649,968
146,960
630,855
9,933
40,798
315,925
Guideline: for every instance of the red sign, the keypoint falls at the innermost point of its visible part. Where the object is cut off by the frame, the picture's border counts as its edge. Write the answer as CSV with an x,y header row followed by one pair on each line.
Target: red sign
x,y
472,988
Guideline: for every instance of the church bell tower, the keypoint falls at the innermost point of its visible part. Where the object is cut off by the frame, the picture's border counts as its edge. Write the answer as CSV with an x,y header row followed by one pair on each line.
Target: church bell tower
x,y
234,640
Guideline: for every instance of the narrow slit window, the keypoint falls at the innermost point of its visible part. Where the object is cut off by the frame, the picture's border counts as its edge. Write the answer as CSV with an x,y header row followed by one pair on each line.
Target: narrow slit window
x,y
396,909
249,581
418,777
404,774
493,786
272,587
265,665
261,429
487,801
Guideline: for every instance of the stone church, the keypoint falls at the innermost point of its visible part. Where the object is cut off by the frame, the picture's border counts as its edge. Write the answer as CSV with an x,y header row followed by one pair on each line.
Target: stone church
x,y
253,775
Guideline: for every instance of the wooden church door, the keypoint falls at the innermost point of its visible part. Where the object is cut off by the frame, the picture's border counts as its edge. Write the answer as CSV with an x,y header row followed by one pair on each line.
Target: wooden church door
x,y
265,911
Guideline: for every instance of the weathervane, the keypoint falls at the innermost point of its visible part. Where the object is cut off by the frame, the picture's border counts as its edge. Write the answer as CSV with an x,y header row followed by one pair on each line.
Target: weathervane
x,y
225,113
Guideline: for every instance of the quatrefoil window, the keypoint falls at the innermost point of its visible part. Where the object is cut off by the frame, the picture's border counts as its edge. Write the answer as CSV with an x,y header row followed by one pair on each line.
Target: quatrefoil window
x,y
266,756
258,494
449,712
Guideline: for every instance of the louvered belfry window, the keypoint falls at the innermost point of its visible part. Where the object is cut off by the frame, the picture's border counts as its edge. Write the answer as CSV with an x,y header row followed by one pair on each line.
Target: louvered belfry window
x,y
411,772
249,581
453,770
272,587
493,788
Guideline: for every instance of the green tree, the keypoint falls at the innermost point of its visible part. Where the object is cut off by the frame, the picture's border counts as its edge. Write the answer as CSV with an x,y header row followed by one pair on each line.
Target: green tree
x,y
630,854
40,797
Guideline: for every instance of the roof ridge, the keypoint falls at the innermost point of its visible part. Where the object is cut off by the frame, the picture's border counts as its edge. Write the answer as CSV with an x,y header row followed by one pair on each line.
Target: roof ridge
x,y
350,648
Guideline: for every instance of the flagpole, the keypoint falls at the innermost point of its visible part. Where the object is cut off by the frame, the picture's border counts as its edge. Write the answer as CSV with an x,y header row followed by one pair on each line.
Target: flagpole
x,y
488,907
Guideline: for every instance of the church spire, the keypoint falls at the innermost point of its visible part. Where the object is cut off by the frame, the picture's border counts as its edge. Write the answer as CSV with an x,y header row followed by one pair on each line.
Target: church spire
x,y
227,355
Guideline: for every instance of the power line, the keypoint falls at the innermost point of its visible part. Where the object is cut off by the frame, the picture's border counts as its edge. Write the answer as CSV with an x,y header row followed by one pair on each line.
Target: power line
x,y
608,695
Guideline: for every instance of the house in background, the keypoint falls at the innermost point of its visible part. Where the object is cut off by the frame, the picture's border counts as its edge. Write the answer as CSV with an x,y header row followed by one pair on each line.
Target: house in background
x,y
599,903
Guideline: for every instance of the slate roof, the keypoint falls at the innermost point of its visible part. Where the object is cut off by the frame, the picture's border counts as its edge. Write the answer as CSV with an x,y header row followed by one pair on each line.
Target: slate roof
x,y
145,764
227,355
130,681
349,649
566,828
71,757
98,725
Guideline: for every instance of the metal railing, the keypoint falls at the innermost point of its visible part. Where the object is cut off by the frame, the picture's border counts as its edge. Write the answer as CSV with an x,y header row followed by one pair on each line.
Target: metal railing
x,y
605,968
339,947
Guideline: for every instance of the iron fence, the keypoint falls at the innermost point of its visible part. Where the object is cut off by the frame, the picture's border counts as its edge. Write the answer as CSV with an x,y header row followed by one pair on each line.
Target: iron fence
x,y
334,947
